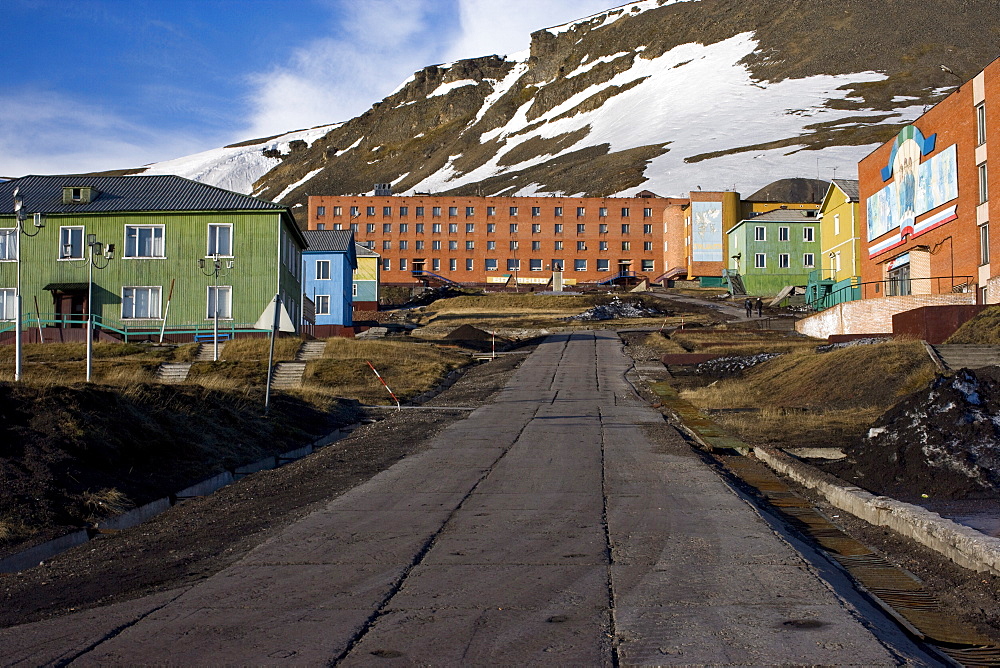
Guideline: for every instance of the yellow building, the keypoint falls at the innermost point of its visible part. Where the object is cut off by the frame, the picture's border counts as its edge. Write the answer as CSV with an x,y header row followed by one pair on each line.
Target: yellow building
x,y
840,255
366,279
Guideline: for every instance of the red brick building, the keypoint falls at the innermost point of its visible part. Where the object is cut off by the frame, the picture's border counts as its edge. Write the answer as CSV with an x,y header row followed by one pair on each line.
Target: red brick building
x,y
491,240
925,200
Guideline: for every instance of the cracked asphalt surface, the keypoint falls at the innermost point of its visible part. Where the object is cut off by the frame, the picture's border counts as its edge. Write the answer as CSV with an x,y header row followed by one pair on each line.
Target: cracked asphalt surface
x,y
561,523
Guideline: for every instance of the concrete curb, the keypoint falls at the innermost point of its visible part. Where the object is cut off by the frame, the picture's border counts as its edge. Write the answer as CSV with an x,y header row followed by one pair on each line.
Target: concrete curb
x,y
963,545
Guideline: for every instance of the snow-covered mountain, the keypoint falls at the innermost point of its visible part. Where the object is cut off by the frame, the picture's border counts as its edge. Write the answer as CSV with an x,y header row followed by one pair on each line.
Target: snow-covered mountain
x,y
666,95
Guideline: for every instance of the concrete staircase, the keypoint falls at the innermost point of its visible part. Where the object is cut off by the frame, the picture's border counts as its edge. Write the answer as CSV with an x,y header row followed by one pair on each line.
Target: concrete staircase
x,y
965,356
310,350
173,372
205,351
287,375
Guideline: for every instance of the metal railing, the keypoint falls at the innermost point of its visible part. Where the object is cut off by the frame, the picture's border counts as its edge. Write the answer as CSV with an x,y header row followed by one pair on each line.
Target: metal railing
x,y
129,331
934,285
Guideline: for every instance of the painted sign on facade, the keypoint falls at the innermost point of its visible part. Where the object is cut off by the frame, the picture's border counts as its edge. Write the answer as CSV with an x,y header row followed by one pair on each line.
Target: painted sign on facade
x,y
706,232
916,188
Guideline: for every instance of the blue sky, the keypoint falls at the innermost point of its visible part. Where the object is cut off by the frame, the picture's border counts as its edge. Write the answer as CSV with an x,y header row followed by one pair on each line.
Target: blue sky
x,y
104,84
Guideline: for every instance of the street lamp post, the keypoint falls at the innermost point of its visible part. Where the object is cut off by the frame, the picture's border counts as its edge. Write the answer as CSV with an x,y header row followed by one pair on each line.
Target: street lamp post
x,y
215,270
39,223
94,246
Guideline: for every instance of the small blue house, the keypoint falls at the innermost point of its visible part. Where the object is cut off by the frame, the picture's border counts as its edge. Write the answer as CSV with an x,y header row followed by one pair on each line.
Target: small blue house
x,y
328,271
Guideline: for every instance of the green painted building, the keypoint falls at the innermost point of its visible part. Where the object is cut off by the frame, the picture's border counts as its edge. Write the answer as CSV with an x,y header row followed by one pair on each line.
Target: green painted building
x,y
161,250
775,249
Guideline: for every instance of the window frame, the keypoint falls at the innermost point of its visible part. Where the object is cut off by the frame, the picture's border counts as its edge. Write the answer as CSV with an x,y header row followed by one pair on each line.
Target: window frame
x,y
759,233
981,123
319,299
209,301
760,261
159,302
809,260
217,227
62,244
784,261
808,234
324,273
11,234
8,304
154,228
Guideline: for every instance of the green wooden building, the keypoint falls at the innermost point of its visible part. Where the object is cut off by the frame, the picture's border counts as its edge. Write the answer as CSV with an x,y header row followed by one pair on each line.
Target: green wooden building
x,y
162,250
775,249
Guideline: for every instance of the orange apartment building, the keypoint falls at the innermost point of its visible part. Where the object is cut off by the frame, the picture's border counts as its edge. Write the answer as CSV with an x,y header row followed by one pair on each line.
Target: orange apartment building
x,y
496,240
926,203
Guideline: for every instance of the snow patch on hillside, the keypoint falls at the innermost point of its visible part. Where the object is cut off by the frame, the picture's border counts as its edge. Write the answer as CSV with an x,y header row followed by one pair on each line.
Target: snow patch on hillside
x,y
297,184
446,88
235,168
610,16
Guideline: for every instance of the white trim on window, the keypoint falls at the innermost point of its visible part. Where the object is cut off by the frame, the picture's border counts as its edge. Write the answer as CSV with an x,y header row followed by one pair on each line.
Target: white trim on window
x,y
141,302
72,236
8,244
323,304
225,303
221,244
8,304
144,242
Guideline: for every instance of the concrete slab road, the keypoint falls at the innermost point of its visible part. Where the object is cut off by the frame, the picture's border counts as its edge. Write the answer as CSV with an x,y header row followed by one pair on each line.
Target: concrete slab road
x,y
563,524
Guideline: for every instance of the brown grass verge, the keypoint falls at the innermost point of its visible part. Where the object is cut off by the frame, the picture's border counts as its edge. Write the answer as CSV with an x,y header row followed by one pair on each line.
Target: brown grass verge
x,y
984,329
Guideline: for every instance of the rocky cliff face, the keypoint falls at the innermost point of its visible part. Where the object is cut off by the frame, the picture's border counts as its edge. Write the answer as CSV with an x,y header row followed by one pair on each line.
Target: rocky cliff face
x,y
659,94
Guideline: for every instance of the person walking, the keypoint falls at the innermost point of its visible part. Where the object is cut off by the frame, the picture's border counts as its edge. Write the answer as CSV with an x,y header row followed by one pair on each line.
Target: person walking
x,y
760,307
748,305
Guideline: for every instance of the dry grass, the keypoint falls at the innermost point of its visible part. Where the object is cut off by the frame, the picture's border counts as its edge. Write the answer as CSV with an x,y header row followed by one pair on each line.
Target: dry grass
x,y
66,352
984,329
663,344
103,503
245,350
843,391
741,341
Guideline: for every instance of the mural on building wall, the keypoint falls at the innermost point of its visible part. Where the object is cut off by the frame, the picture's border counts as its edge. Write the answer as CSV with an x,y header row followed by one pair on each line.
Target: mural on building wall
x,y
916,189
706,230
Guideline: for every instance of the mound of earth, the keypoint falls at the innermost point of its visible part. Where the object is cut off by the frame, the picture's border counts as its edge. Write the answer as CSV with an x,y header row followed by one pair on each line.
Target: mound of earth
x,y
732,364
615,309
468,333
942,442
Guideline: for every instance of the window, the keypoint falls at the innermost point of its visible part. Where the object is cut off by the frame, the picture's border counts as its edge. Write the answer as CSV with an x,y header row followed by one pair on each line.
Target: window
x,y
836,223
370,228
386,244
452,210
625,228
386,211
836,261
322,304
604,265
760,234
984,244
559,245
436,211
581,211
468,264
647,213
420,244
491,228
144,241
402,264
453,244
536,211
513,210
338,211
760,261
452,264
142,303
624,212
782,234
647,265
404,211
491,245
369,211
470,228
8,244
626,245
581,245
420,211
647,245
436,264
321,211
436,244
602,245
513,245
386,264
470,245
558,211
355,212
536,228
809,260
579,265
404,228
534,265
513,264
491,211
602,212
603,228
581,228
8,304
419,228
536,245
322,270
221,296
354,289
984,193
354,228
490,264
452,228
559,228
647,228
70,243
981,124
807,234
783,261
436,228
513,228
386,228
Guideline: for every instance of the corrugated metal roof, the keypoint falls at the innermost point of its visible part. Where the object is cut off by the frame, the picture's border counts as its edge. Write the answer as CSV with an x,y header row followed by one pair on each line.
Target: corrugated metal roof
x,y
329,240
850,188
786,216
364,251
44,194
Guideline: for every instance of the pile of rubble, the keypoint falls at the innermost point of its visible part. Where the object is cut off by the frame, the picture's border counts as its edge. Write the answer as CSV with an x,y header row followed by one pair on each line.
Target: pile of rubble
x,y
616,309
732,364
